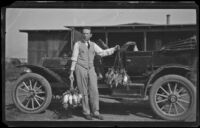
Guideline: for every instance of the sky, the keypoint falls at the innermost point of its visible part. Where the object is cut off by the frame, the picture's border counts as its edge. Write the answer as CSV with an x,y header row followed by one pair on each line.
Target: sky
x,y
19,18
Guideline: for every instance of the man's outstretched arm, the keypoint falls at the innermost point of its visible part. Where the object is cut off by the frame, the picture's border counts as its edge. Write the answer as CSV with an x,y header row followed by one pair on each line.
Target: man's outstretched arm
x,y
105,52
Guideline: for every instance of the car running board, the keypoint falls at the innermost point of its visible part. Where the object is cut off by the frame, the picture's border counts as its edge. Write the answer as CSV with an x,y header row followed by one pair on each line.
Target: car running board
x,y
136,84
124,98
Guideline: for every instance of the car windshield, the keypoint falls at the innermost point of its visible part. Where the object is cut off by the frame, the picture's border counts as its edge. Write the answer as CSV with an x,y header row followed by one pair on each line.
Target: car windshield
x,y
189,43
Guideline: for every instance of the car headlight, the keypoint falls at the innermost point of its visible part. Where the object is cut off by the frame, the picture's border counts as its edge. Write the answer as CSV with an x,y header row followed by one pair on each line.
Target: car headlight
x,y
27,70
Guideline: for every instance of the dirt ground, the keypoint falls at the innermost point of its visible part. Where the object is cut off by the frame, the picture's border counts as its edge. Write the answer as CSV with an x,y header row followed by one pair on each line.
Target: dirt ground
x,y
112,110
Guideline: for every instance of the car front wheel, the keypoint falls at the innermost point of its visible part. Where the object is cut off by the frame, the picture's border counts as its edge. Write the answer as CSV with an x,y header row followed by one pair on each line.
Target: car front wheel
x,y
173,97
32,93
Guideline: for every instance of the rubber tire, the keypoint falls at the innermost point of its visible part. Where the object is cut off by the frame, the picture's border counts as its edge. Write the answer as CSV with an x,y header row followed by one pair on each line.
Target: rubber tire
x,y
156,85
45,84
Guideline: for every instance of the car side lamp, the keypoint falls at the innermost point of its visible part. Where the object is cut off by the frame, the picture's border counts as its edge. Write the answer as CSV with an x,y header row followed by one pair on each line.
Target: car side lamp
x,y
26,70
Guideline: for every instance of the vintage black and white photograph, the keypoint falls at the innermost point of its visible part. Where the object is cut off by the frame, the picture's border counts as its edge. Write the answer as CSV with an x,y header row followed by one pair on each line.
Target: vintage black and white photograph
x,y
101,64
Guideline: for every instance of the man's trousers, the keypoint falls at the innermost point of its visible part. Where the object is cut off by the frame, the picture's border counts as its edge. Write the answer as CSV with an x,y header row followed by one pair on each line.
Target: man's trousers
x,y
87,85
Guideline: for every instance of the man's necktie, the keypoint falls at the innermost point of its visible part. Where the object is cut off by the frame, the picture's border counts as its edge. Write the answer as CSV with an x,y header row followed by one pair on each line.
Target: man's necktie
x,y
88,45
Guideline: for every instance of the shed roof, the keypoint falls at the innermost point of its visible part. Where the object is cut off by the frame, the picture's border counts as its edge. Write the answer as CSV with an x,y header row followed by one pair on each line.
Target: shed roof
x,y
138,26
44,30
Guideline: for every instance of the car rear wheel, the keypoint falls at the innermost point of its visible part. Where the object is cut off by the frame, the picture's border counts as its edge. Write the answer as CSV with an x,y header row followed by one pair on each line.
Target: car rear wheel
x,y
32,93
173,97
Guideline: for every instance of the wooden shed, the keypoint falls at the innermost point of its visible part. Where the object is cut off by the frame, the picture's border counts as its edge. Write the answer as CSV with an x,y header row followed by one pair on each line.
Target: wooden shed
x,y
46,43
54,43
147,36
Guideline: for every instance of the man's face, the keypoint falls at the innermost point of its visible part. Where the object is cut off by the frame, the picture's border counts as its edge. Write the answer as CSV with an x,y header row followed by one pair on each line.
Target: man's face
x,y
87,34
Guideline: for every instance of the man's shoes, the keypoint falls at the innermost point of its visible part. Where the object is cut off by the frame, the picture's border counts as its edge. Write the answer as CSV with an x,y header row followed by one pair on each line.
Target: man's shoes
x,y
100,117
88,117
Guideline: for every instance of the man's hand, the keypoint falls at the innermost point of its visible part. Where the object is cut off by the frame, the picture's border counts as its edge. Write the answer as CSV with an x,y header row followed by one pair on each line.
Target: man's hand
x,y
71,76
117,47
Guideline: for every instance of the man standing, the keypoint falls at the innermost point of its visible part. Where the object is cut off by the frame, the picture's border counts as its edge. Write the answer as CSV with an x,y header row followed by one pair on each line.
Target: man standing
x,y
82,63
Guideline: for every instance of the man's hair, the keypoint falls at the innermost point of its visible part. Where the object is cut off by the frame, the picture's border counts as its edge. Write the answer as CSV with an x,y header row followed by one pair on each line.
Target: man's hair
x,y
87,28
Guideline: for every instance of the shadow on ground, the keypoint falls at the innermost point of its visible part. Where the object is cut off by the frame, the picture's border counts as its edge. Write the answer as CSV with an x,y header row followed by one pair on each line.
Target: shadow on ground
x,y
10,106
140,109
115,109
62,113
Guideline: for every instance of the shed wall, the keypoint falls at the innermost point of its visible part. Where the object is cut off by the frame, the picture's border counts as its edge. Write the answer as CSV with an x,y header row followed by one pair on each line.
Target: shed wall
x,y
46,44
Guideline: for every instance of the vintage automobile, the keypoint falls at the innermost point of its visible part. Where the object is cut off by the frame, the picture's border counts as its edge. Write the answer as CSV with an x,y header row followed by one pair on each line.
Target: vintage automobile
x,y
166,77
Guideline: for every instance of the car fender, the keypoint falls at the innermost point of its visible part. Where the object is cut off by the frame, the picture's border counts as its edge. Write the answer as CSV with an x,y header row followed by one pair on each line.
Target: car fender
x,y
50,75
158,72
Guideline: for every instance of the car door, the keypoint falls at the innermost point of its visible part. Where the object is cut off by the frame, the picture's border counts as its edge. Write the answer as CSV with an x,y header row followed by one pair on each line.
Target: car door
x,y
137,63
